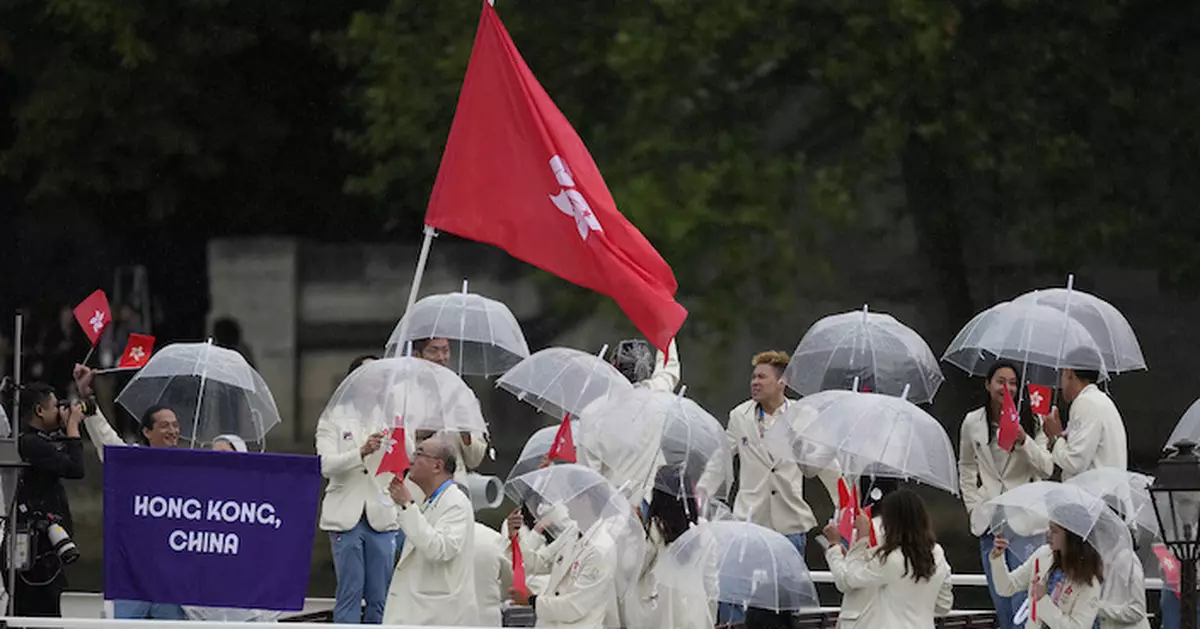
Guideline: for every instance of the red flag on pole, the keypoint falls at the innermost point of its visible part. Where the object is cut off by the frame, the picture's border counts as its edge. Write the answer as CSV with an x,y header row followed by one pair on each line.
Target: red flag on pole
x,y
516,175
874,541
1169,565
1010,424
518,568
137,351
1039,399
93,315
563,448
845,511
395,457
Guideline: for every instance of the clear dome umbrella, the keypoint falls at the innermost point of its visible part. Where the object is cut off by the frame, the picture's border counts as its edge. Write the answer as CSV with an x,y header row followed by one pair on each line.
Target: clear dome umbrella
x,y
570,499
1041,338
628,437
423,395
1110,330
537,447
1127,493
866,433
212,390
739,563
1028,510
1188,428
485,338
560,380
874,349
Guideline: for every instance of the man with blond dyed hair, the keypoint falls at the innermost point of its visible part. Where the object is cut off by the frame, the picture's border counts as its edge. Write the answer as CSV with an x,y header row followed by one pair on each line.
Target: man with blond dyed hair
x,y
770,489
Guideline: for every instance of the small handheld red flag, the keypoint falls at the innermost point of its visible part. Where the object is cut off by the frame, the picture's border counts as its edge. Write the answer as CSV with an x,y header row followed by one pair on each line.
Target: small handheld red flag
x,y
1010,425
845,511
93,315
1037,571
1169,565
137,351
1039,399
395,457
563,448
518,568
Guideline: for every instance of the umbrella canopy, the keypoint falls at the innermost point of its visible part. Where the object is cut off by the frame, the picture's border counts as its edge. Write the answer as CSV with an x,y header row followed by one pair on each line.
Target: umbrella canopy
x,y
5,426
571,499
485,338
866,433
1110,330
739,563
1042,338
421,395
1029,509
883,354
538,446
1188,428
560,380
615,437
212,391
1127,493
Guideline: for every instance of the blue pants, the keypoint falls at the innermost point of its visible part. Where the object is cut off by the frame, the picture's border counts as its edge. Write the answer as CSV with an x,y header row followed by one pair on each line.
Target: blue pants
x,y
1005,606
363,560
729,612
142,610
1170,609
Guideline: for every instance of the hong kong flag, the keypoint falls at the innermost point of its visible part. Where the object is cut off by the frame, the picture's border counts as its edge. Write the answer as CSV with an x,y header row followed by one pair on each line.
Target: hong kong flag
x,y
395,454
137,351
563,448
847,510
518,562
1039,399
1010,424
516,175
93,315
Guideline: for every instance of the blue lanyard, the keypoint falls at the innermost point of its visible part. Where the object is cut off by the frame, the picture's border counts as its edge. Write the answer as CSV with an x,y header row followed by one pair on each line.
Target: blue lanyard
x,y
437,492
1055,577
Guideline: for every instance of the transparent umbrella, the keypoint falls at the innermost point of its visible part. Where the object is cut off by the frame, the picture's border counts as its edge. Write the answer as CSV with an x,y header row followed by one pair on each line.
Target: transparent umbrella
x,y
1127,493
485,338
570,499
537,447
560,380
423,395
5,426
1029,509
1188,428
1107,326
212,390
866,433
875,349
629,436
1042,338
739,563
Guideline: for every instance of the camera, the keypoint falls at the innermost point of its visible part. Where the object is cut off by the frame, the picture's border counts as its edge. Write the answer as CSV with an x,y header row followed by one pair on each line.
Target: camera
x,y
65,406
50,525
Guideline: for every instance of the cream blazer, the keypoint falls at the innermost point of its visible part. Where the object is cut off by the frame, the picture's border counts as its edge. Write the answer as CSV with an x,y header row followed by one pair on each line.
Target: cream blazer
x,y
353,488
581,589
898,601
1076,608
981,477
493,574
1095,435
434,581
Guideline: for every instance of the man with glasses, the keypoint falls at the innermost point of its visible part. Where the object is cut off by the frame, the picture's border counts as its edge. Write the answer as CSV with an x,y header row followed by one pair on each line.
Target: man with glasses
x,y
434,581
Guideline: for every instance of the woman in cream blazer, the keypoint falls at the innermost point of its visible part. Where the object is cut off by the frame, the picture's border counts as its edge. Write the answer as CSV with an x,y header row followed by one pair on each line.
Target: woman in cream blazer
x,y
907,575
1066,586
986,471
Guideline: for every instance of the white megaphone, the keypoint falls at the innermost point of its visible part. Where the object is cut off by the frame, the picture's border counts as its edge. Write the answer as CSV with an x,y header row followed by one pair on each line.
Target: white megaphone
x,y
486,492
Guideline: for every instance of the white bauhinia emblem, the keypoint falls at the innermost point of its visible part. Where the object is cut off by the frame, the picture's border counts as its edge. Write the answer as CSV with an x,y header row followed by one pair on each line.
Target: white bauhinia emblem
x,y
1035,399
97,321
137,353
1168,565
570,202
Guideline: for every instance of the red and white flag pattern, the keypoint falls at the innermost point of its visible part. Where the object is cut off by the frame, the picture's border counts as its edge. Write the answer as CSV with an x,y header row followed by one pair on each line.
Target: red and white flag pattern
x,y
137,351
93,315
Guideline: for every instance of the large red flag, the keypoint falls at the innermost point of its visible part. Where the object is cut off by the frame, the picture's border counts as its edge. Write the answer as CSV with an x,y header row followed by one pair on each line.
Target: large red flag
x,y
93,315
1010,424
516,175
518,562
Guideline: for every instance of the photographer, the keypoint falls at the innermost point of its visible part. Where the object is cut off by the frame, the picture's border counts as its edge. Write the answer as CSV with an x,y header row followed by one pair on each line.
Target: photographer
x,y
42,500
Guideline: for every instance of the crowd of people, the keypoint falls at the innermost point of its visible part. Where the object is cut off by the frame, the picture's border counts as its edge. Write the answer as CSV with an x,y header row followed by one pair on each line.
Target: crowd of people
x,y
419,557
